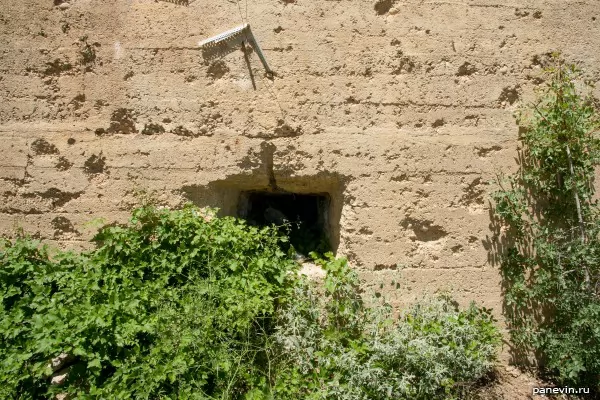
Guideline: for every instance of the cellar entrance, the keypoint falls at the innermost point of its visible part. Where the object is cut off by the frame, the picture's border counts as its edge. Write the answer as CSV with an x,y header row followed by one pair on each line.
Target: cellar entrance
x,y
303,217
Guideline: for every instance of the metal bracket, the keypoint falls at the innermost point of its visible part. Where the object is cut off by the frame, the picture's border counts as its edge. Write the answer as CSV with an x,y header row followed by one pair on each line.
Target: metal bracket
x,y
228,41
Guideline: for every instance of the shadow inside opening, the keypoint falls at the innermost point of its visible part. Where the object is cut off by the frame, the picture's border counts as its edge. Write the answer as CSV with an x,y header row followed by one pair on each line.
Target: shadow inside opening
x,y
302,217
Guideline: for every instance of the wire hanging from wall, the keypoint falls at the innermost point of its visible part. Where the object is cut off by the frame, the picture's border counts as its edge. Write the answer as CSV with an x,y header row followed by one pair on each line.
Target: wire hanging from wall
x,y
229,41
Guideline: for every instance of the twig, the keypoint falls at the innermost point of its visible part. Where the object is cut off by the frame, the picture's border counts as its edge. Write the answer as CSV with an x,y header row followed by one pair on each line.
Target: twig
x,y
579,216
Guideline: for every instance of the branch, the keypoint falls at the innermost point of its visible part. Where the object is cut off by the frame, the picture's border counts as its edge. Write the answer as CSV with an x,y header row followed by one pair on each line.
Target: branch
x,y
526,222
579,216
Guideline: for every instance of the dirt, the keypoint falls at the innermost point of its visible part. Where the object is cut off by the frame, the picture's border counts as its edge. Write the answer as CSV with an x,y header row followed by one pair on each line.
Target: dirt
x,y
510,383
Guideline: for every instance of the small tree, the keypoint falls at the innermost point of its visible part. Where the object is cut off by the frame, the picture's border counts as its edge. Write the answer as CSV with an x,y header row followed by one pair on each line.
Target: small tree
x,y
552,263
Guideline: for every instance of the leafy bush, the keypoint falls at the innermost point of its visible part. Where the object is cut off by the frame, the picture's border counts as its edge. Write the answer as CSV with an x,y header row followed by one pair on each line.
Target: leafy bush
x,y
336,348
175,305
184,305
551,268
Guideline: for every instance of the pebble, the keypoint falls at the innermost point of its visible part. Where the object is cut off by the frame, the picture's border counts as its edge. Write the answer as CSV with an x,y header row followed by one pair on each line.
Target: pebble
x,y
394,11
60,361
64,6
513,371
312,271
60,377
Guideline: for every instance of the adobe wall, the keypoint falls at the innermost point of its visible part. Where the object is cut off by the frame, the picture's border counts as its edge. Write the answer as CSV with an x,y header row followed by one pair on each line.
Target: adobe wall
x,y
402,111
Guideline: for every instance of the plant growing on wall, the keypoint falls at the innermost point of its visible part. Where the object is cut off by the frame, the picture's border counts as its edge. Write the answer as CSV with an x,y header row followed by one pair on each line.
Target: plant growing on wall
x,y
184,305
333,347
173,304
551,267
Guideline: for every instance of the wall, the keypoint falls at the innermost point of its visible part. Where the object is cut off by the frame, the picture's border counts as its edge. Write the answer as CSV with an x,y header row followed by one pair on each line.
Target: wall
x,y
402,111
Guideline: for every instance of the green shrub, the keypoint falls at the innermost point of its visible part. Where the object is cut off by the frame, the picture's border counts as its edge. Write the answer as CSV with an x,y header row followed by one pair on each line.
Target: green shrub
x,y
184,305
174,305
336,348
551,266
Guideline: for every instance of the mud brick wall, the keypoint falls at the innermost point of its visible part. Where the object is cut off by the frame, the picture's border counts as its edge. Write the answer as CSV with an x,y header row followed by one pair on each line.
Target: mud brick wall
x,y
401,110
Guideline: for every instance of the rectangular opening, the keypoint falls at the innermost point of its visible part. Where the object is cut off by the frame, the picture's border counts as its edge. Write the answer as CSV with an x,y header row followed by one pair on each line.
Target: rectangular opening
x,y
304,215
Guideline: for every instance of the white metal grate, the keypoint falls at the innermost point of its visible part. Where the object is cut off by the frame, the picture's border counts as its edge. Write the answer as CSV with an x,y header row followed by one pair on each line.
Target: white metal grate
x,y
226,42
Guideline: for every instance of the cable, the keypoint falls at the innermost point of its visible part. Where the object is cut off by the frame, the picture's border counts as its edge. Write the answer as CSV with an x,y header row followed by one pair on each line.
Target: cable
x,y
245,20
283,113
240,10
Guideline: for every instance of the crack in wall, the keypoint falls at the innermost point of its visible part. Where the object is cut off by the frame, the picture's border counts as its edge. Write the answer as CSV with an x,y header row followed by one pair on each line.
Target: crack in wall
x,y
268,153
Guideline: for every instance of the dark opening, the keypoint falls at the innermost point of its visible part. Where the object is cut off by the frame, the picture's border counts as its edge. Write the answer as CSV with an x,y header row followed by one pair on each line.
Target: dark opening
x,y
304,217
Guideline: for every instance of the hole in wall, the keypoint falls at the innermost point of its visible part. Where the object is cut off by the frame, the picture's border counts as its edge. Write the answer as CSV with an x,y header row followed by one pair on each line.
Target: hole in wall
x,y
232,196
303,217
